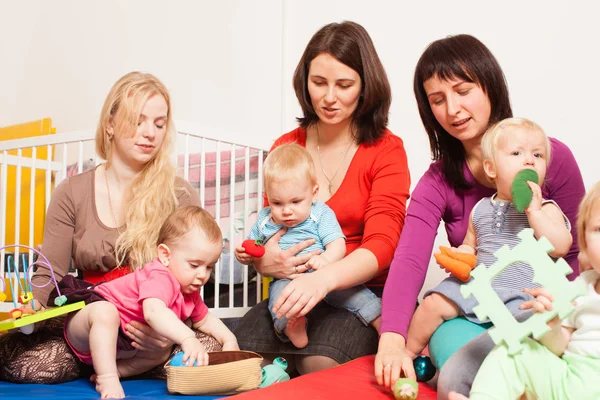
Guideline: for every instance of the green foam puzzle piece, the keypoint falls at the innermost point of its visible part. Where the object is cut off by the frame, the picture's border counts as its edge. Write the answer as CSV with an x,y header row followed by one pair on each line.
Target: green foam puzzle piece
x,y
521,192
40,316
549,274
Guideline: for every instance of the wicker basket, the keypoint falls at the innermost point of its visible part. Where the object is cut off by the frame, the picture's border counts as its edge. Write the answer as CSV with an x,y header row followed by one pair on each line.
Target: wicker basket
x,y
228,372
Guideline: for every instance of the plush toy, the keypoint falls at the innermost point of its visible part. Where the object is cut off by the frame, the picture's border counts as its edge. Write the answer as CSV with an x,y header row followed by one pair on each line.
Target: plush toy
x,y
406,389
254,248
521,192
274,373
458,264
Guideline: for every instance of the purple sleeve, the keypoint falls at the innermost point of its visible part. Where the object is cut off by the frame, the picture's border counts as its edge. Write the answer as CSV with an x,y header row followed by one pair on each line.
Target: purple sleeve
x,y
411,259
564,185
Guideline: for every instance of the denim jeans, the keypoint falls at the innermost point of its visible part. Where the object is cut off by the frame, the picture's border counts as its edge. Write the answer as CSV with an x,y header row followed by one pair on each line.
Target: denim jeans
x,y
359,300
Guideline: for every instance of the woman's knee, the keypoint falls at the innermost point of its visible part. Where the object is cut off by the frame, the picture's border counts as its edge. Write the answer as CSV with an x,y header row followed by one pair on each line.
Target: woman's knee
x,y
48,361
308,364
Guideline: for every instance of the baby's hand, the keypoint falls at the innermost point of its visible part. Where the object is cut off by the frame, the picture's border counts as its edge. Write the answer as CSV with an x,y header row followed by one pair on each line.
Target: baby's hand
x,y
193,352
317,262
536,199
242,256
542,301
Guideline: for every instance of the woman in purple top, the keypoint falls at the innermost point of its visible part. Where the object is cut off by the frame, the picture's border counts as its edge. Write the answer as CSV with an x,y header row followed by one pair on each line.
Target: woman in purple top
x,y
460,91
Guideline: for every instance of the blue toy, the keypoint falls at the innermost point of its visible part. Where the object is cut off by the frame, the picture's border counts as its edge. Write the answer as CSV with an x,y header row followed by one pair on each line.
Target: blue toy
x,y
274,373
423,368
177,360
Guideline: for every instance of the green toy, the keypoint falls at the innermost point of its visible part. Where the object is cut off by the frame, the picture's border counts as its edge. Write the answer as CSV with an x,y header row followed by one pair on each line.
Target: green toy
x,y
19,318
551,275
521,192
406,389
274,373
25,320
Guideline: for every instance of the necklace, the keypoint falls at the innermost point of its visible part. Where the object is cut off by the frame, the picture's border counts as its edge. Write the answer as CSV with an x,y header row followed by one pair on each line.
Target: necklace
x,y
112,213
330,180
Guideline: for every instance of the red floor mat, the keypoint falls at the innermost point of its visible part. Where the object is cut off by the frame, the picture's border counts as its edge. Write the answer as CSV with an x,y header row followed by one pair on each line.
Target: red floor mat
x,y
353,380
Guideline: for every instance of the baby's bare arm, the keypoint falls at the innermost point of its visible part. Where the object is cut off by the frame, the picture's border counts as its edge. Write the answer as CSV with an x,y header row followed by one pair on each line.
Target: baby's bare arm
x,y
334,251
214,327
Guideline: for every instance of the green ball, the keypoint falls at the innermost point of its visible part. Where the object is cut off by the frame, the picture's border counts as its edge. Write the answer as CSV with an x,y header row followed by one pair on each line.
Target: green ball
x,y
521,193
406,389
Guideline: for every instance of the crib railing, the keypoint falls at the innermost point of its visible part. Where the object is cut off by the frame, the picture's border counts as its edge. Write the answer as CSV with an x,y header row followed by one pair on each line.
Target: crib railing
x,y
227,175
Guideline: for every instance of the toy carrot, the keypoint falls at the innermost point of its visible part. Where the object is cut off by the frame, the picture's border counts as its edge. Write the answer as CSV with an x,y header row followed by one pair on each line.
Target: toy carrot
x,y
469,259
458,264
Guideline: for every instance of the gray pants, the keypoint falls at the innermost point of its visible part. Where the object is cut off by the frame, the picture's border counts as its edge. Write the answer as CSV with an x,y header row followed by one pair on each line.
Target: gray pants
x,y
458,373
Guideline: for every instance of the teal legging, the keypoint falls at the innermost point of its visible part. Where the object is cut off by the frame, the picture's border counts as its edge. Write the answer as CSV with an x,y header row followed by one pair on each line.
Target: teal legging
x,y
451,336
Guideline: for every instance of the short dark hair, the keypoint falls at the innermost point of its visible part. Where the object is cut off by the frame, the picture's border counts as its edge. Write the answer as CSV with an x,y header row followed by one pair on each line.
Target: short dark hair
x,y
463,57
350,44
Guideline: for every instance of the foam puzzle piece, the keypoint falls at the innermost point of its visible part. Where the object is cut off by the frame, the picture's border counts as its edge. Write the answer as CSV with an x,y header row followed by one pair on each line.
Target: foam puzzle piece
x,y
549,274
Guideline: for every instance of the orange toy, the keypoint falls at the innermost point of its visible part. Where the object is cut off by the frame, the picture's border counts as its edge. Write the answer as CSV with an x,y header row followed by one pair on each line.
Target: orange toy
x,y
458,264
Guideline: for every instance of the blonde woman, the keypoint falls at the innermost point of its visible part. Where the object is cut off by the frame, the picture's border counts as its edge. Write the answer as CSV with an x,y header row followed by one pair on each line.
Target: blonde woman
x,y
106,221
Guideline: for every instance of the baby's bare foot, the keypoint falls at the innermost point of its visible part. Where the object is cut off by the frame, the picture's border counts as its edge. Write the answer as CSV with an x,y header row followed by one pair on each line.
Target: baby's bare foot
x,y
296,332
109,386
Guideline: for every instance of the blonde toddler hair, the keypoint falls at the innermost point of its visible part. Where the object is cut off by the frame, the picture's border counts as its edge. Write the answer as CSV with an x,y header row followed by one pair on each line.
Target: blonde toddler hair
x,y
289,161
153,190
489,141
585,213
183,220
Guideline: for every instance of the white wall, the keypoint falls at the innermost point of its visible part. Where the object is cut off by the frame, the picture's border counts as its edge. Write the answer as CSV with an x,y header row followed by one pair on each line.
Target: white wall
x,y
221,60
229,63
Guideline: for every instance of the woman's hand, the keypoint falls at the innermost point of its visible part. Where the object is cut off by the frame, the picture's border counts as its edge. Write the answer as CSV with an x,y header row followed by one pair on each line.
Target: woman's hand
x,y
282,264
145,338
392,360
301,295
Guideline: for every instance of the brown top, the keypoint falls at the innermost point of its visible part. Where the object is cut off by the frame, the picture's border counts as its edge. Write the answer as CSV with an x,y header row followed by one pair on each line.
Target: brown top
x,y
73,231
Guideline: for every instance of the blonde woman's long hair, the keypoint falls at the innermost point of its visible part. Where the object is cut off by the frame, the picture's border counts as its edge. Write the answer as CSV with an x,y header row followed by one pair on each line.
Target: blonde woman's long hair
x,y
153,195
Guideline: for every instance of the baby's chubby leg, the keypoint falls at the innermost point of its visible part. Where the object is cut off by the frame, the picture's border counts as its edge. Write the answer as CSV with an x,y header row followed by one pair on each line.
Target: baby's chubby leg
x,y
433,311
142,362
94,330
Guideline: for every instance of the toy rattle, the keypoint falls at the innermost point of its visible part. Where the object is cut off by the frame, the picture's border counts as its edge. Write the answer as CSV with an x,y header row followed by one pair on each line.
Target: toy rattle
x,y
20,319
521,192
456,263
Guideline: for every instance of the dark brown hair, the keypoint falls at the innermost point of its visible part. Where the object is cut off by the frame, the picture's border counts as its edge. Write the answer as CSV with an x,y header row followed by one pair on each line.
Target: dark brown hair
x,y
350,44
458,57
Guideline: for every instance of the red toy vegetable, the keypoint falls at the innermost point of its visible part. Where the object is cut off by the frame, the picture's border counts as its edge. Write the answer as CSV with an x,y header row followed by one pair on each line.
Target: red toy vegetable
x,y
254,248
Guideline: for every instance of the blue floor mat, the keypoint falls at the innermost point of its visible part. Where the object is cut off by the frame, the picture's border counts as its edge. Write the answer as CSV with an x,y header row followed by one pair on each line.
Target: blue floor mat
x,y
83,389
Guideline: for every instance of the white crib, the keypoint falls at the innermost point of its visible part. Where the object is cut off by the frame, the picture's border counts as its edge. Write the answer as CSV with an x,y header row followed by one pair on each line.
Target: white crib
x,y
231,191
